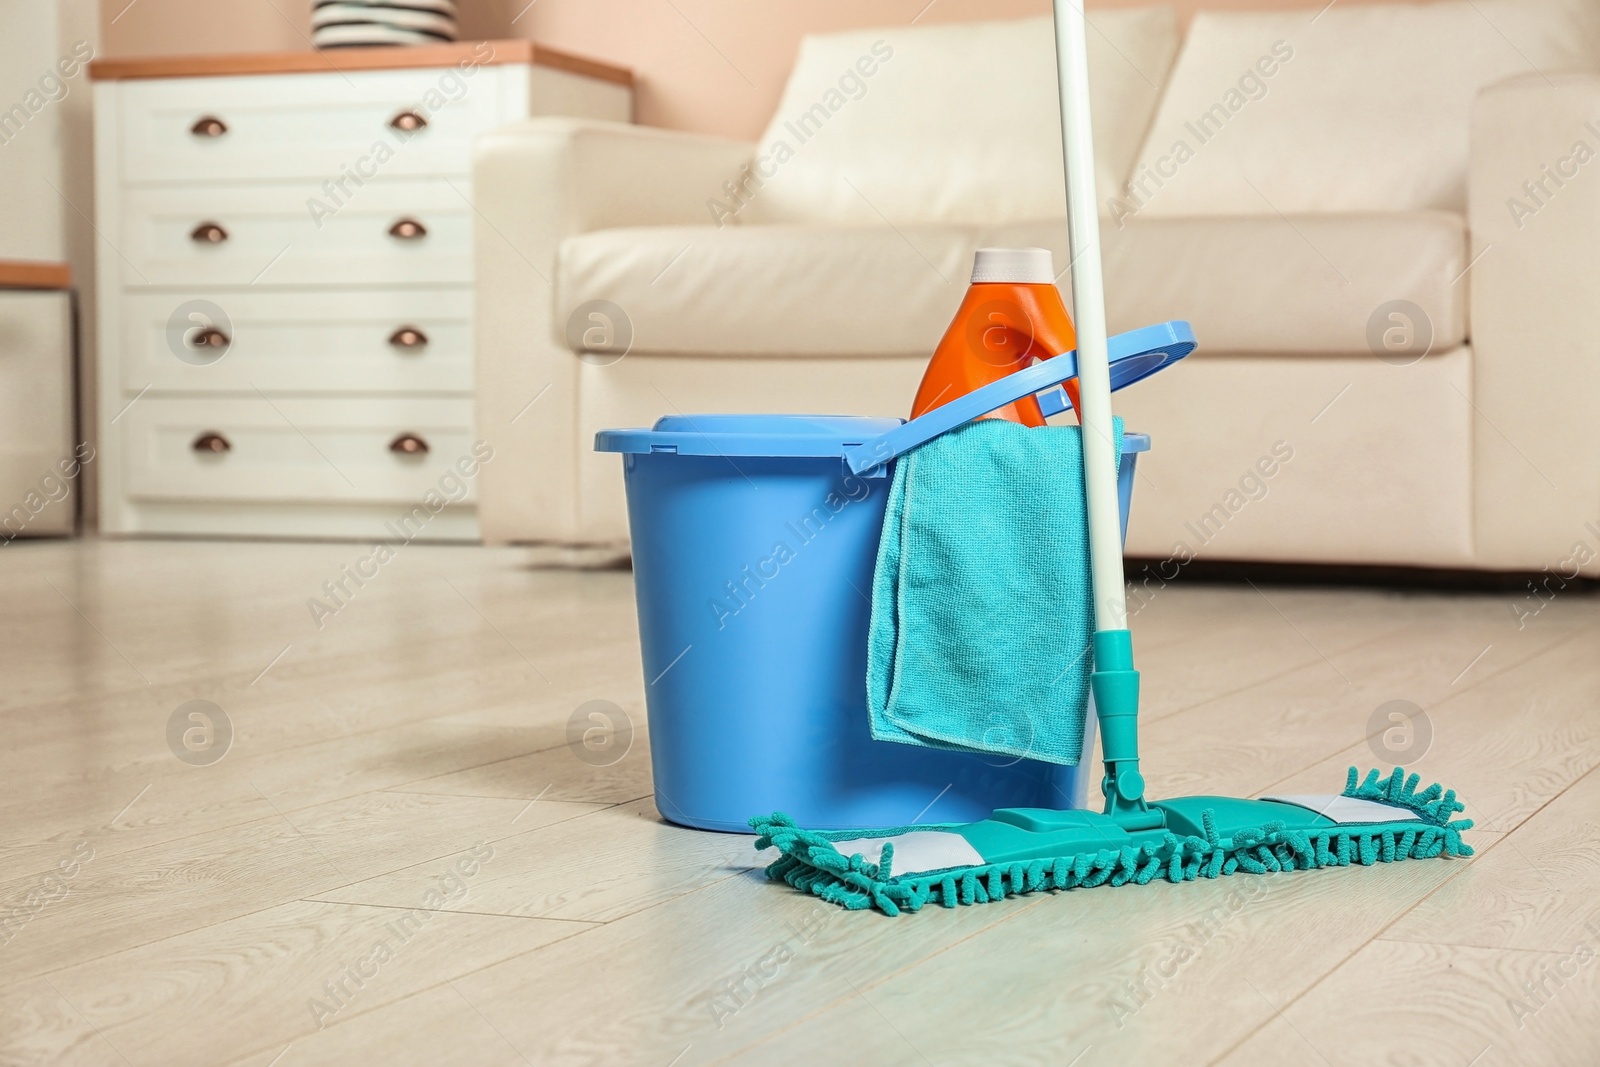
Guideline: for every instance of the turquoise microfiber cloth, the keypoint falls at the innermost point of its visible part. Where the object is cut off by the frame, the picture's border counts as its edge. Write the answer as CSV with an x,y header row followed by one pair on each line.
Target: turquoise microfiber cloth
x,y
982,608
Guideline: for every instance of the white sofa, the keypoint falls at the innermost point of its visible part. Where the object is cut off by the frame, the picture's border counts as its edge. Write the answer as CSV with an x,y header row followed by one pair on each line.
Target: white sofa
x,y
1314,192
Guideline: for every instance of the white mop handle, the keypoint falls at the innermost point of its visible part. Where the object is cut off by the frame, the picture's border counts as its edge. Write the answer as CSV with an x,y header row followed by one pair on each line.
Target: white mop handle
x,y
1089,315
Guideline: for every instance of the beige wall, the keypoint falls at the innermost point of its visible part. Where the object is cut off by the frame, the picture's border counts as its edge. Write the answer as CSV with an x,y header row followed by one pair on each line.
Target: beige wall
x,y
716,66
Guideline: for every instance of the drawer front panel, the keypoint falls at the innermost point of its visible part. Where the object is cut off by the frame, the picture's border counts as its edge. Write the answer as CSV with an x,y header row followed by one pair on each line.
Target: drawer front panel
x,y
313,126
298,450
311,341
272,235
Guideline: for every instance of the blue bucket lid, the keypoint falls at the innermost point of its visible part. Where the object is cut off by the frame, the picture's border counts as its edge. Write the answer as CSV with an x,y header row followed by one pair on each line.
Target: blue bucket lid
x,y
1131,357
788,436
748,435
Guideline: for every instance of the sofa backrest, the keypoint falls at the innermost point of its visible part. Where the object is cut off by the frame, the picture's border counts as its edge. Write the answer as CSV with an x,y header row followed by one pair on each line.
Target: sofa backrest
x,y
950,123
1355,108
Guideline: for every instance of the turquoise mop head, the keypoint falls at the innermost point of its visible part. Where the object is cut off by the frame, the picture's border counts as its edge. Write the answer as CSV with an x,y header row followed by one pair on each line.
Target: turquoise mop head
x,y
1021,850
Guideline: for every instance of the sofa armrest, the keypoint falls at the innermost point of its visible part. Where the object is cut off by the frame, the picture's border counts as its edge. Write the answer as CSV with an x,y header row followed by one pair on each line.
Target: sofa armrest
x,y
1534,214
592,175
534,184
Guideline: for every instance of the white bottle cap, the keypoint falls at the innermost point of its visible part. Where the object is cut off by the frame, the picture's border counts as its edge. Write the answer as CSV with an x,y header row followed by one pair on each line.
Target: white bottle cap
x,y
1028,266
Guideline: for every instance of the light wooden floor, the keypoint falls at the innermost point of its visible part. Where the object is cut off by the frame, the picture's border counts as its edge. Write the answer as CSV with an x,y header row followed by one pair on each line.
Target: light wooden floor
x,y
175,914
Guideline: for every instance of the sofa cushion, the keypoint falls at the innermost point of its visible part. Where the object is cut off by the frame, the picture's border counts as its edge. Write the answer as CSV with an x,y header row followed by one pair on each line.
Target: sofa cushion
x,y
1355,108
1312,284
770,290
1249,284
955,123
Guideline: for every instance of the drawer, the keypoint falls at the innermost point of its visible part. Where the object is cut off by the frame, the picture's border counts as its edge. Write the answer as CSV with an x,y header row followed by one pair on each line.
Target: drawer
x,y
268,235
311,341
298,450
315,126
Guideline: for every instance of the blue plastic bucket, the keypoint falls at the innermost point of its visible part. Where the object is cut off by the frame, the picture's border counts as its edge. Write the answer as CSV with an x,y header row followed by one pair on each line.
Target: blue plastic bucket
x,y
753,573
754,541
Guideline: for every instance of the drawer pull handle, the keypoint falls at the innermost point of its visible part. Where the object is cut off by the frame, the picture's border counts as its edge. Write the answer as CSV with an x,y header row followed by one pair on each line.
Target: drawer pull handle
x,y
208,126
210,337
208,233
408,122
409,444
211,442
408,337
408,230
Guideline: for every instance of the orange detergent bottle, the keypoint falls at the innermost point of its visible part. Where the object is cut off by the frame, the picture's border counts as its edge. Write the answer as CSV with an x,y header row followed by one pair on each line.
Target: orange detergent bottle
x,y
1012,315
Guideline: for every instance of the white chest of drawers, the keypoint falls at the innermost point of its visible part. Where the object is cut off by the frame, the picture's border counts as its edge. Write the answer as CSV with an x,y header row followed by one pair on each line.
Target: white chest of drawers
x,y
285,282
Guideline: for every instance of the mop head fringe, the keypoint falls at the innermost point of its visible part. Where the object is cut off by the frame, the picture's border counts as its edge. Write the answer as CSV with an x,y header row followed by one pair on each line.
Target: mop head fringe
x,y
809,861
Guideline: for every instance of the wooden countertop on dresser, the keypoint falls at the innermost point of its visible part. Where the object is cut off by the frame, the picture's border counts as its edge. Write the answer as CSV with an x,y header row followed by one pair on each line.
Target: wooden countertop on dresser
x,y
34,274
313,61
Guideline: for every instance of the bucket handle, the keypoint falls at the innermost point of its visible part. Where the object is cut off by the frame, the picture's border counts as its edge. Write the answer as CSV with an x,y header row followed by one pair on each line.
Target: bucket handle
x,y
1170,340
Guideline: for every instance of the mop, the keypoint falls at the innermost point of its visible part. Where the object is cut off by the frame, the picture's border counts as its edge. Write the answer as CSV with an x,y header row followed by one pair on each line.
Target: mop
x,y
1133,840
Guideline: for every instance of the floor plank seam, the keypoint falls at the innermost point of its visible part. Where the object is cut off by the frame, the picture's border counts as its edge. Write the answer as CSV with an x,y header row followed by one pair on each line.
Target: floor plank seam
x,y
860,991
447,855
338,797
1520,663
390,727
606,804
87,960
1309,661
1482,948
268,1047
677,896
1299,665
452,911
